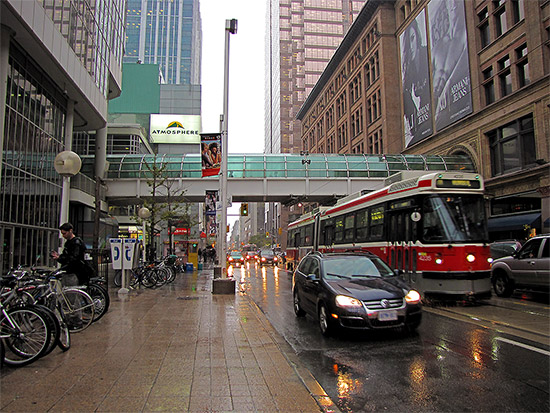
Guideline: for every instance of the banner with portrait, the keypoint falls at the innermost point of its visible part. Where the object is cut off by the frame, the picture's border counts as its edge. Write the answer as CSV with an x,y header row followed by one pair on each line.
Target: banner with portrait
x,y
452,91
415,77
211,153
210,203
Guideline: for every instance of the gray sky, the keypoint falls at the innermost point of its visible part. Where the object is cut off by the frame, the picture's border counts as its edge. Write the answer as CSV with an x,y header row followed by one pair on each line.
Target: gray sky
x,y
246,71
246,74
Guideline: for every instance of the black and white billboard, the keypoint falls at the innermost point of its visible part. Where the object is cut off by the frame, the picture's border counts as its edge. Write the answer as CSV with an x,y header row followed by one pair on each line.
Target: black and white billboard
x,y
452,91
415,77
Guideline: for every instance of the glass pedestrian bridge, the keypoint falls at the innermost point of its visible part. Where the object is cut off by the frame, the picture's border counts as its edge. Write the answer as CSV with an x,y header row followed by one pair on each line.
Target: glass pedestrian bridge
x,y
271,177
287,165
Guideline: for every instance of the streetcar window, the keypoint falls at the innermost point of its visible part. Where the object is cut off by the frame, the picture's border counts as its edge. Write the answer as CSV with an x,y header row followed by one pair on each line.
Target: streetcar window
x,y
454,219
308,235
338,230
377,222
349,226
329,232
362,230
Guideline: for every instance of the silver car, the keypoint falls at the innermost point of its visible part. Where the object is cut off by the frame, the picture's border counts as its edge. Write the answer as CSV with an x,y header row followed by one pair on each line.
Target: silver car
x,y
528,268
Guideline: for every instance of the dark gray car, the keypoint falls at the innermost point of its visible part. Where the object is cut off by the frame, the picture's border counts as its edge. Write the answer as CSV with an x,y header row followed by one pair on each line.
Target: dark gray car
x,y
528,268
356,291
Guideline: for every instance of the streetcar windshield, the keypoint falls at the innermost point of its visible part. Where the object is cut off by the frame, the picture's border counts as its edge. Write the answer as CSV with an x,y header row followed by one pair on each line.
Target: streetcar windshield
x,y
455,218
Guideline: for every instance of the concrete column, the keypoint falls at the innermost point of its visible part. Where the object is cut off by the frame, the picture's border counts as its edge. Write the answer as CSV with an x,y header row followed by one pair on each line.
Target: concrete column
x,y
5,37
101,152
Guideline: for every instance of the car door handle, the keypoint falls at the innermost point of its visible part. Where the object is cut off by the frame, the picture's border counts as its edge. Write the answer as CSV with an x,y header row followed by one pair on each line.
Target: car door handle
x,y
531,262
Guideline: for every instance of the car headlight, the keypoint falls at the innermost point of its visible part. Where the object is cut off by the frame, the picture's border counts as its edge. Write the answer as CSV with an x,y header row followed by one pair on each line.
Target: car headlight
x,y
412,297
345,301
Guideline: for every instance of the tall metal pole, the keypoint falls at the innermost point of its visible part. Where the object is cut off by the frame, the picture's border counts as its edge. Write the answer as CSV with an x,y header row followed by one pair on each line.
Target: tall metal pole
x,y
230,28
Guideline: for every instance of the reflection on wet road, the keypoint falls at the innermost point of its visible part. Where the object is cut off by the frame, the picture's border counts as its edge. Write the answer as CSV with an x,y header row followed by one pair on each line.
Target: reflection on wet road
x,y
450,364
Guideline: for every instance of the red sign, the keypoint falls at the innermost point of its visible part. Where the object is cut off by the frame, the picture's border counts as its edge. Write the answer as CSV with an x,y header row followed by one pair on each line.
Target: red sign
x,y
203,234
181,231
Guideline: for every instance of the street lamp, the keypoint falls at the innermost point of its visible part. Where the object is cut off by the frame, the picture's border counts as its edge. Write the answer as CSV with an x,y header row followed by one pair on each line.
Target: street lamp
x,y
144,213
226,286
66,164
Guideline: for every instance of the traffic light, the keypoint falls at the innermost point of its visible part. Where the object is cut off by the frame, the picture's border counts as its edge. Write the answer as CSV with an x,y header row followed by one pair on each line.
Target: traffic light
x,y
244,209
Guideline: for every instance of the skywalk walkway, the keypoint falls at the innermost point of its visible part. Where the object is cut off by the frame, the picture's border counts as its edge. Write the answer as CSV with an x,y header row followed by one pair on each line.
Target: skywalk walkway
x,y
285,178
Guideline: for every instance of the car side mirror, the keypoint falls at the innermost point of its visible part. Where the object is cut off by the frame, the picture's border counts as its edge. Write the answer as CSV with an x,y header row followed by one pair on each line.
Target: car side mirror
x,y
398,272
312,277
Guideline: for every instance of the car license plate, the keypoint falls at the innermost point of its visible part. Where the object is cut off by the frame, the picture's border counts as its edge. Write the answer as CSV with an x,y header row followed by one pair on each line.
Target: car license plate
x,y
387,315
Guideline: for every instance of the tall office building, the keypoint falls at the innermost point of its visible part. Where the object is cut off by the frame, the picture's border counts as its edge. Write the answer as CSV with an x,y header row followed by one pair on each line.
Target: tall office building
x,y
167,33
302,36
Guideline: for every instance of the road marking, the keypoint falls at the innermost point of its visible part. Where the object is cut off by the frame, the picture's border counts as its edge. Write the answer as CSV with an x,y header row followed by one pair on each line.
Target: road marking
x,y
526,346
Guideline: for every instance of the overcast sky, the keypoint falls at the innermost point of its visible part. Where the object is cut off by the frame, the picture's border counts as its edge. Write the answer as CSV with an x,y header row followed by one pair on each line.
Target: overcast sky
x,y
246,74
246,71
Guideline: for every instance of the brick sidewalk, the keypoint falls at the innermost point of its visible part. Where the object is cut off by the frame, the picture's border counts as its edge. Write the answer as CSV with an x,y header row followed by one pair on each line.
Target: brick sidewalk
x,y
176,348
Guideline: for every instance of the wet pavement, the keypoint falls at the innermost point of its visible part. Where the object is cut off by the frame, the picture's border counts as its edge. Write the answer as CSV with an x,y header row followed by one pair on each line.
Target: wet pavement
x,y
175,348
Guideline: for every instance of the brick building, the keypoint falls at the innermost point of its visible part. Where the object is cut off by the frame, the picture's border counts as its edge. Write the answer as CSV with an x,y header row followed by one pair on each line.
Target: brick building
x,y
447,78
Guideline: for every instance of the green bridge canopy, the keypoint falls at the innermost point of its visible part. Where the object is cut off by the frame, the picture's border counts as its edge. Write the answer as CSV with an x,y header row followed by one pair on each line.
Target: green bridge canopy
x,y
284,165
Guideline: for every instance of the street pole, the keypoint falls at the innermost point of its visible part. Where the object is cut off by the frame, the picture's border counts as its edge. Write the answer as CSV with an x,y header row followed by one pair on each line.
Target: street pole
x,y
230,28
224,285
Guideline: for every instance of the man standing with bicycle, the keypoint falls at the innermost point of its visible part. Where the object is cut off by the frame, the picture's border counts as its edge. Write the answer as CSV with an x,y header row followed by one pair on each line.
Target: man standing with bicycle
x,y
72,258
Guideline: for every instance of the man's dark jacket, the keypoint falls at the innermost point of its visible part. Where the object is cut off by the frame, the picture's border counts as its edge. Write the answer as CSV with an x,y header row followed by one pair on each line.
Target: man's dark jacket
x,y
72,258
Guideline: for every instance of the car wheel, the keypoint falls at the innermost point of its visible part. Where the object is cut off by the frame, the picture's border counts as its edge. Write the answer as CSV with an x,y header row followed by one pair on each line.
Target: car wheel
x,y
325,324
298,310
502,285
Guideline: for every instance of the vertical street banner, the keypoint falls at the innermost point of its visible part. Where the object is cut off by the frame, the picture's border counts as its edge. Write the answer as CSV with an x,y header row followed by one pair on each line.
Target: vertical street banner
x,y
415,77
210,213
211,153
452,91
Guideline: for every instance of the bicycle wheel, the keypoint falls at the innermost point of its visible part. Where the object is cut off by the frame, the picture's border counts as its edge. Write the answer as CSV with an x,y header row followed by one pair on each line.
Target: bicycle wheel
x,y
64,341
54,327
101,300
25,334
78,308
149,278
117,279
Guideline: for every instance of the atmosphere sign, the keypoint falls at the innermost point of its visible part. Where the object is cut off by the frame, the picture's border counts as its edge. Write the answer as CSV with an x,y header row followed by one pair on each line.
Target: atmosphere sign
x,y
175,128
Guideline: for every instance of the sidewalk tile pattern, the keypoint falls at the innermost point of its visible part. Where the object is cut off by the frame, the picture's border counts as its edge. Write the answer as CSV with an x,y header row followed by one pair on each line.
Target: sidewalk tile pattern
x,y
176,348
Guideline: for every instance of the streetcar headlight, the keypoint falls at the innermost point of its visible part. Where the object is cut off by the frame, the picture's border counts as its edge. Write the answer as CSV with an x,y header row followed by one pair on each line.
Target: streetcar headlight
x,y
438,261
345,301
490,260
470,257
412,297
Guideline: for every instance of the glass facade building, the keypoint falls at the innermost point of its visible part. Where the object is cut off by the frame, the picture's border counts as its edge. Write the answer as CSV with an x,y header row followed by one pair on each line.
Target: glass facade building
x,y
167,33
44,105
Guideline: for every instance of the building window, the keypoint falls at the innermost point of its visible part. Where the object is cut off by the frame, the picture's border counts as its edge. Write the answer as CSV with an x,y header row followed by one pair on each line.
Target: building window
x,y
330,144
342,137
518,11
375,143
522,65
501,24
355,89
483,27
489,85
341,105
373,107
505,76
357,122
371,70
512,146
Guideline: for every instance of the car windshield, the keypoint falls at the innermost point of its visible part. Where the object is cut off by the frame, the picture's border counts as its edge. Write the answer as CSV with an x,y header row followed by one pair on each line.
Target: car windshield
x,y
355,267
266,252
